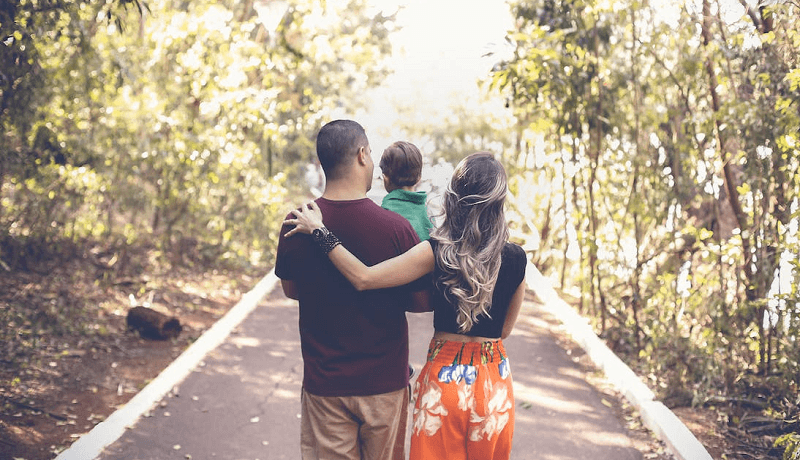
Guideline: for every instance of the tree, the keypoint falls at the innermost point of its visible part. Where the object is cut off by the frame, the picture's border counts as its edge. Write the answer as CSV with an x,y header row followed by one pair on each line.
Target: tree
x,y
191,124
673,153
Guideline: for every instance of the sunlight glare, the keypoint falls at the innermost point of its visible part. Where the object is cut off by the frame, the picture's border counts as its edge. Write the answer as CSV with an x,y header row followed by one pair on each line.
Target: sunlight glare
x,y
442,49
669,12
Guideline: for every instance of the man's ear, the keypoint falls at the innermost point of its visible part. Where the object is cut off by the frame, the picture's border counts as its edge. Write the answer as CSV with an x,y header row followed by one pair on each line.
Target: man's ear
x,y
362,155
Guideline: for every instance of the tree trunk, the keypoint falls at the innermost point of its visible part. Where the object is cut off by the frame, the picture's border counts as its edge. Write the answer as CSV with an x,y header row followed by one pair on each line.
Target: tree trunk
x,y
594,163
731,186
565,210
582,308
269,157
635,192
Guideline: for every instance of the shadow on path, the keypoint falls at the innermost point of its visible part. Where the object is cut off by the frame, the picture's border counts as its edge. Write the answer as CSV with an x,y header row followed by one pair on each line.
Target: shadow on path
x,y
243,402
559,414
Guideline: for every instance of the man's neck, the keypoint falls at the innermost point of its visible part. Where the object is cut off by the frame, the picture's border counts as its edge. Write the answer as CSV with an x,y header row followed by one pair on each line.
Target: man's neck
x,y
343,191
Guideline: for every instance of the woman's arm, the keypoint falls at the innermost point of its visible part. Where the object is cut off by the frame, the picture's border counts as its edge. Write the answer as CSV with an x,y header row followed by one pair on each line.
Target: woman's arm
x,y
513,310
396,271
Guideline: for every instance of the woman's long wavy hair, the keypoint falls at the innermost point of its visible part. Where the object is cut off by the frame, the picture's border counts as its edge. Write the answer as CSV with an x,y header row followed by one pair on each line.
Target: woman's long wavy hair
x,y
471,237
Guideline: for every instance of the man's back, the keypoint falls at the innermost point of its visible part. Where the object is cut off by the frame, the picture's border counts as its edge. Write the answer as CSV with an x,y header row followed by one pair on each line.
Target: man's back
x,y
354,343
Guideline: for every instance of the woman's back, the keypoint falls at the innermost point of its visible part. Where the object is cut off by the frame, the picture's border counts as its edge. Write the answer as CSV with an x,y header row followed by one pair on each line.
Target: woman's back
x,y
512,271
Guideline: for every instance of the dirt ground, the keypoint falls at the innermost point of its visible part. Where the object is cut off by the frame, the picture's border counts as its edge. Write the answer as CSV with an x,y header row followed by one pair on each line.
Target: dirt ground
x,y
55,387
67,358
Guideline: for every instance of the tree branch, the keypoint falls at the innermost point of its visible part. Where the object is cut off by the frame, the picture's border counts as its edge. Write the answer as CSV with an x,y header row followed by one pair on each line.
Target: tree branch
x,y
751,12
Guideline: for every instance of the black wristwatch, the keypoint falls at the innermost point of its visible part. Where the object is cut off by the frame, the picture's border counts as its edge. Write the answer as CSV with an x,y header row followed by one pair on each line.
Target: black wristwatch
x,y
325,239
319,234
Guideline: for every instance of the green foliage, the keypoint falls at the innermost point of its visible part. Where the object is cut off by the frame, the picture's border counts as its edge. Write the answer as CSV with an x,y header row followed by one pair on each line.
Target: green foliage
x,y
791,443
674,175
139,138
183,124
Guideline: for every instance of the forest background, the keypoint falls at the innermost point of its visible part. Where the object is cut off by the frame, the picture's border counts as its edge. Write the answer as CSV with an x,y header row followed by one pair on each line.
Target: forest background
x,y
652,152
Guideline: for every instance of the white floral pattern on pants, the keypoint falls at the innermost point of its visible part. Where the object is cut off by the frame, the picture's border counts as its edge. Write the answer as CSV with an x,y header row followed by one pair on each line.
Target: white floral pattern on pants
x,y
497,404
428,416
466,397
497,407
464,403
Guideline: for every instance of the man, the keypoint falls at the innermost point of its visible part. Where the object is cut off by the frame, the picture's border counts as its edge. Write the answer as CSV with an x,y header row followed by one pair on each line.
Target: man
x,y
354,344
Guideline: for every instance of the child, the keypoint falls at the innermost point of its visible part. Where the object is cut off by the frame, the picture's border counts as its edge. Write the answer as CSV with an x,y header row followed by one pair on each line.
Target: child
x,y
401,164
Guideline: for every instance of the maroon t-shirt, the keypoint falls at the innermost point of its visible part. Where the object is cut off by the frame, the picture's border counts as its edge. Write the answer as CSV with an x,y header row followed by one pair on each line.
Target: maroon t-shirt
x,y
353,343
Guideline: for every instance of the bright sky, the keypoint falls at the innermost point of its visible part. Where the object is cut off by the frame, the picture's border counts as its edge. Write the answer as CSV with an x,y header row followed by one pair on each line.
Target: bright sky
x,y
437,59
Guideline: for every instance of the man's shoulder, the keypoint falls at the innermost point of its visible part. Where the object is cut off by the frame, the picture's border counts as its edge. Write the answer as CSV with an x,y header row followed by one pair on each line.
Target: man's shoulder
x,y
390,217
348,213
392,224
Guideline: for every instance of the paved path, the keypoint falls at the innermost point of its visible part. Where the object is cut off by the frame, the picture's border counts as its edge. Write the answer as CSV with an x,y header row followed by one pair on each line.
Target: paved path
x,y
243,401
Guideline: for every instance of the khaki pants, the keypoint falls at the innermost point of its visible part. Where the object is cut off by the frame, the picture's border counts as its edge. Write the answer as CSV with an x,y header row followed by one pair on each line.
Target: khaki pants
x,y
354,427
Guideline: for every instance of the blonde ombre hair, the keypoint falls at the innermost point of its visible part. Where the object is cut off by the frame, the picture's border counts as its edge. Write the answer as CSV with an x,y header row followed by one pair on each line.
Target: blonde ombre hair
x,y
471,237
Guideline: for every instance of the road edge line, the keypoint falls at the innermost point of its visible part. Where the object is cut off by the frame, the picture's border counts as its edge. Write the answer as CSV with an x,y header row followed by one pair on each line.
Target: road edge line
x,y
92,444
655,415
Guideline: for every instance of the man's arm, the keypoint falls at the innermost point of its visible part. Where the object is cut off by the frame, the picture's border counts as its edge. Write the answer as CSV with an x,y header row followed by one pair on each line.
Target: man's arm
x,y
289,289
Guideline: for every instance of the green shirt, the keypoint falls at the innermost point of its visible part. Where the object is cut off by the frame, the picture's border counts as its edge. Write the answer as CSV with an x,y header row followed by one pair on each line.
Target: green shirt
x,y
410,205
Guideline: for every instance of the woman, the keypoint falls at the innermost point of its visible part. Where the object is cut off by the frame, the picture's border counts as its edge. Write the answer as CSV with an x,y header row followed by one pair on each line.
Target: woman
x,y
464,405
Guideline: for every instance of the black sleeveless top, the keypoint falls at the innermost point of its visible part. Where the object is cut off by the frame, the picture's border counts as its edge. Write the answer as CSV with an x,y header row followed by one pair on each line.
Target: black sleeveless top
x,y
512,271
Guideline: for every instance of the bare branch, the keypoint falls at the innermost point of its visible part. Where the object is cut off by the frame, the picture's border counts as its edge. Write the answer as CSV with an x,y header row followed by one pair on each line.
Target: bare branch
x,y
753,14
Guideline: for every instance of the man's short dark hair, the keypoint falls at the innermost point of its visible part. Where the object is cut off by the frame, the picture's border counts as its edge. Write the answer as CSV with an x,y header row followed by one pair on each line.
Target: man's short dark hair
x,y
337,145
401,162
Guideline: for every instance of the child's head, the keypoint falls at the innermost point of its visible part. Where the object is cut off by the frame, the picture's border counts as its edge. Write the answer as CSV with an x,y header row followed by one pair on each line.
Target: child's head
x,y
401,165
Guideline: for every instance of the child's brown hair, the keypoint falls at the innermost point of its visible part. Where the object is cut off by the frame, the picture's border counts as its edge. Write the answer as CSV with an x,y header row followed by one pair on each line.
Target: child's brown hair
x,y
401,163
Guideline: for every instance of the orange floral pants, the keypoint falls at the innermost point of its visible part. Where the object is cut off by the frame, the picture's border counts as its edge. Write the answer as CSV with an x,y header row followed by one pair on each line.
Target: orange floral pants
x,y
464,403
